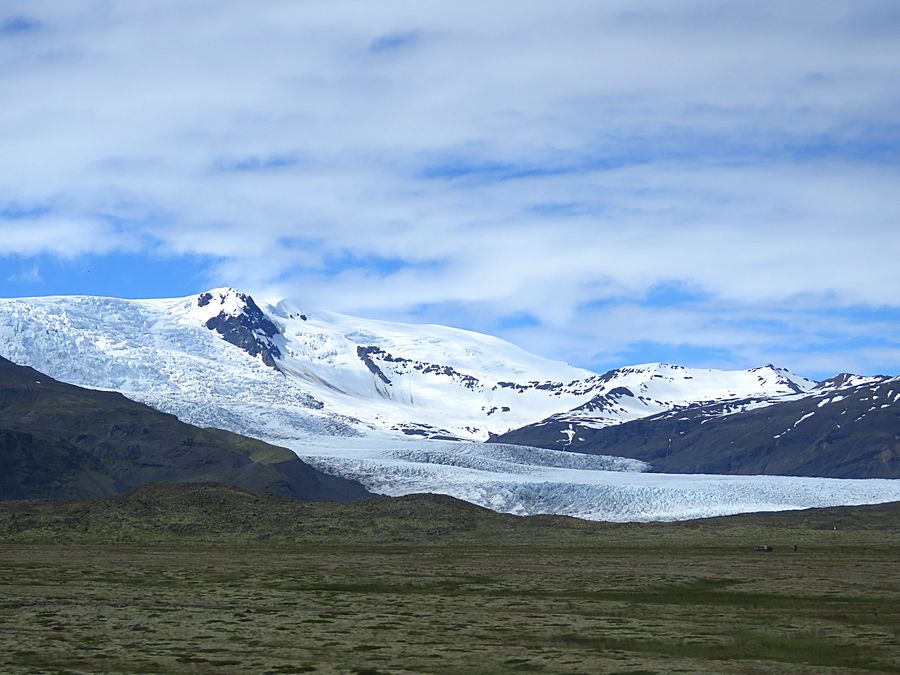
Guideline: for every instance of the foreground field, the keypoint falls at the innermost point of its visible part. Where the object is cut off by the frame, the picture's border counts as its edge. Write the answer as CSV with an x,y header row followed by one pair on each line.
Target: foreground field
x,y
184,583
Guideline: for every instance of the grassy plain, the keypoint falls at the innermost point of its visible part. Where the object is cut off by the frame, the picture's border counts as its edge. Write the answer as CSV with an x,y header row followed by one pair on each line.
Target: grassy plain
x,y
215,580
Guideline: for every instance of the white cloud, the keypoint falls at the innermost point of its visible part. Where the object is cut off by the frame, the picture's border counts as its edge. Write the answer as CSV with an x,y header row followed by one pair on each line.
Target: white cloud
x,y
493,161
61,237
29,275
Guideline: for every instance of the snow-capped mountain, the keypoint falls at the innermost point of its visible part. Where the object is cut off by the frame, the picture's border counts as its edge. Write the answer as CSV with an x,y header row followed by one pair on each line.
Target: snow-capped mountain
x,y
219,359
844,427
280,370
387,403
636,392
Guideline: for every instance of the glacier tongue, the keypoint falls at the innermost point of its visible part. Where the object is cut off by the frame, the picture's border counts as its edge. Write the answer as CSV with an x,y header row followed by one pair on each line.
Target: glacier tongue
x,y
526,481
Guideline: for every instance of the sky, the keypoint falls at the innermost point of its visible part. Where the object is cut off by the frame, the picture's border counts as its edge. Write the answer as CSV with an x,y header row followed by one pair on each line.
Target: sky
x,y
714,184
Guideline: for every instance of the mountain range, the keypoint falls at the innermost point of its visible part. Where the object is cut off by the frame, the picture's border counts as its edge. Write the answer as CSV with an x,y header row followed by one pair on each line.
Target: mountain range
x,y
386,403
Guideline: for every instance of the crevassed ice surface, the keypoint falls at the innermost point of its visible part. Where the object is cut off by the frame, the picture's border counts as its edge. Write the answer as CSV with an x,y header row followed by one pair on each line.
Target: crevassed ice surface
x,y
526,481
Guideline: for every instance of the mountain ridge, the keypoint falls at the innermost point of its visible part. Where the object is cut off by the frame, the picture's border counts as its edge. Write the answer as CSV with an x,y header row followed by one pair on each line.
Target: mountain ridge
x,y
821,433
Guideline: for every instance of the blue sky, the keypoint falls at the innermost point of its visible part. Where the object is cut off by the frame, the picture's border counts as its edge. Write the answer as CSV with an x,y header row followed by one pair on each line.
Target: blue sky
x,y
710,183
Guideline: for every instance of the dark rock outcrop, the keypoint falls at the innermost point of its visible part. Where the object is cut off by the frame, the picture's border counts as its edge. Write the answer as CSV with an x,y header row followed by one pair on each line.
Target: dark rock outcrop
x,y
250,330
365,355
370,353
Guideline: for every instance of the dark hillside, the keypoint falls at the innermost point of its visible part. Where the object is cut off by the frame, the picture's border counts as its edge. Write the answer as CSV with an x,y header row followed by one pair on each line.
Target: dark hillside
x,y
855,434
161,512
59,441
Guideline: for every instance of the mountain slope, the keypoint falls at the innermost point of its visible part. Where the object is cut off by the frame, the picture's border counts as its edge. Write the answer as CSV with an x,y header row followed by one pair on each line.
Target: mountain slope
x,y
278,372
846,427
635,392
59,441
220,359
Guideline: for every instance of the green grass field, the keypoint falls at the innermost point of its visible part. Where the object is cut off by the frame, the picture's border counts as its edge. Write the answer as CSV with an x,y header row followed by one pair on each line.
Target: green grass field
x,y
377,587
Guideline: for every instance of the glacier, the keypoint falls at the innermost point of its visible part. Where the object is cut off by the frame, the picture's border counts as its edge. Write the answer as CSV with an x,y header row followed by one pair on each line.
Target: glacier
x,y
405,408
528,481
340,375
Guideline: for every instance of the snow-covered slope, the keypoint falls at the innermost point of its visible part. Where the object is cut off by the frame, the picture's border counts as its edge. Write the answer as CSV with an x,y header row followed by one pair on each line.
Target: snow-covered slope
x,y
635,392
844,427
278,370
219,359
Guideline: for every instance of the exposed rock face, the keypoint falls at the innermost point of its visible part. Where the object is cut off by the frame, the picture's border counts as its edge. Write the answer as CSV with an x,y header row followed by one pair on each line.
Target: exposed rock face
x,y
365,354
250,329
607,401
369,354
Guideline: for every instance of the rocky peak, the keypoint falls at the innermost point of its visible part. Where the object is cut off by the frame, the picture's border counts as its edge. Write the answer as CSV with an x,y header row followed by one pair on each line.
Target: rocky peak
x,y
240,321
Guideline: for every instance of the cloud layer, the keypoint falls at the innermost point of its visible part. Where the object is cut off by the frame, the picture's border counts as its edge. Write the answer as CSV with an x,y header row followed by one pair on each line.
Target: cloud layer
x,y
597,181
